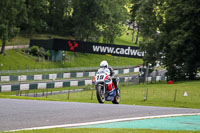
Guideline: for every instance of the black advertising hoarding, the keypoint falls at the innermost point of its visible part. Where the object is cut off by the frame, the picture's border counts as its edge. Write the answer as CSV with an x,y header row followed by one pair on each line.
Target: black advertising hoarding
x,y
47,44
94,48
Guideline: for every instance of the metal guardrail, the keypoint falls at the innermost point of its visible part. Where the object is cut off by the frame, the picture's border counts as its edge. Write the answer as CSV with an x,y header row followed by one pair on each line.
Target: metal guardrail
x,y
67,83
61,75
57,70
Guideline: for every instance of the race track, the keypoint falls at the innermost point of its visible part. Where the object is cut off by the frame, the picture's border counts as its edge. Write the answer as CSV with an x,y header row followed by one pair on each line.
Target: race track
x,y
20,114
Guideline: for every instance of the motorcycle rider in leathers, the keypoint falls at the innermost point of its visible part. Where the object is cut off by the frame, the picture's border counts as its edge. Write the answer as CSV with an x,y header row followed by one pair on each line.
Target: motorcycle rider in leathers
x,y
104,64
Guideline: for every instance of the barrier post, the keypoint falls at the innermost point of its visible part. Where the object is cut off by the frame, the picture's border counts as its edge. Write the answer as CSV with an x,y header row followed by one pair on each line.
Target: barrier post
x,y
175,95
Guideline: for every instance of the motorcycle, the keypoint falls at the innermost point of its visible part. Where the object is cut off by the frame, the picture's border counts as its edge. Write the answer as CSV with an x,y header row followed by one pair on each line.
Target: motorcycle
x,y
105,88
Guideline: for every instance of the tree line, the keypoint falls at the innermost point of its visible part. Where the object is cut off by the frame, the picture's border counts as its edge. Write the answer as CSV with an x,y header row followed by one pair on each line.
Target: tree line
x,y
171,35
169,28
83,19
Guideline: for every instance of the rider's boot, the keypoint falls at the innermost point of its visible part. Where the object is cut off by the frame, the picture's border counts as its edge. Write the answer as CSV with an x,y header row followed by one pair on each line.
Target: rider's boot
x,y
115,83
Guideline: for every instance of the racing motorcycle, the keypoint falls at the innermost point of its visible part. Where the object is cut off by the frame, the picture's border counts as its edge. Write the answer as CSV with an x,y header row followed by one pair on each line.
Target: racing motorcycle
x,y
105,88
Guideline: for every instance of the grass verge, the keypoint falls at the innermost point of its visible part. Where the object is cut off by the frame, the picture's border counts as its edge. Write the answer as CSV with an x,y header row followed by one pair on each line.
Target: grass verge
x,y
101,130
16,60
159,94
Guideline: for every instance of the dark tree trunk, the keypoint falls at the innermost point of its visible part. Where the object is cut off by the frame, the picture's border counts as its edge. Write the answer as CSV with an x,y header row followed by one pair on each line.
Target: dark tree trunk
x,y
3,46
132,35
136,41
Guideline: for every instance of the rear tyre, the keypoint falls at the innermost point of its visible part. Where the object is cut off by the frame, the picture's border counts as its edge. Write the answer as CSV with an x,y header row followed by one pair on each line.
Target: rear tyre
x,y
100,94
117,97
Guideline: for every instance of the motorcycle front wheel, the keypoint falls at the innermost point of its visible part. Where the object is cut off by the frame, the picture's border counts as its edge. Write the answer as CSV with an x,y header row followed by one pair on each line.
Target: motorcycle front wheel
x,y
100,94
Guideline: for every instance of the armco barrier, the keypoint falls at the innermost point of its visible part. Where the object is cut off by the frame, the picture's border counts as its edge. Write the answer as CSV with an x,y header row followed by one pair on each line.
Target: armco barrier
x,y
44,85
60,84
57,70
55,76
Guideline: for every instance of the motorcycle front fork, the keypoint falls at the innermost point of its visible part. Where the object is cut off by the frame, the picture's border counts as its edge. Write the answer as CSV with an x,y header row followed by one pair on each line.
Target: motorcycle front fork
x,y
104,90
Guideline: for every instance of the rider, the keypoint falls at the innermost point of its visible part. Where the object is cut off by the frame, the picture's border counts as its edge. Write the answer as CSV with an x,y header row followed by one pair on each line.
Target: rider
x,y
104,64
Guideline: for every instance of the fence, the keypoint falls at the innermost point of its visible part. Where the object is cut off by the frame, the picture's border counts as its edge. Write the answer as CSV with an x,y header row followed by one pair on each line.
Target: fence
x,y
55,76
67,83
130,94
162,95
56,70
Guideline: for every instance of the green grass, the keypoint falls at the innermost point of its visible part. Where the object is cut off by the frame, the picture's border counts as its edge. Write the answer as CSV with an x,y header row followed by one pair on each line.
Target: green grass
x,y
24,39
14,60
163,94
160,94
17,60
127,39
101,130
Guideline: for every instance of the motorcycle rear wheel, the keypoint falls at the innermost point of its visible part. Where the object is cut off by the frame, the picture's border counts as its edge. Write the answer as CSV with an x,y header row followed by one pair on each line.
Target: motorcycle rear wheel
x,y
117,97
100,94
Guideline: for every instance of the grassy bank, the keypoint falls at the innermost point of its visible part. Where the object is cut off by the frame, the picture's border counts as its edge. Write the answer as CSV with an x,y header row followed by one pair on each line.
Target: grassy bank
x,y
102,130
16,60
24,39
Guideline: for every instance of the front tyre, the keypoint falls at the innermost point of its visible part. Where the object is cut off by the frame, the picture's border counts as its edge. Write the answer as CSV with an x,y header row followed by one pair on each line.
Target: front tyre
x,y
117,97
100,93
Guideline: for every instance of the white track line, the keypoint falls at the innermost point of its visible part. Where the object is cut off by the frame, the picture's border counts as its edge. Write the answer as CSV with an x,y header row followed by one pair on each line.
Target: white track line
x,y
102,122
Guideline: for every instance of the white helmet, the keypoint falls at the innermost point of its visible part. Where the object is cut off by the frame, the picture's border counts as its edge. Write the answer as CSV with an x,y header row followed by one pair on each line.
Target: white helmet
x,y
104,64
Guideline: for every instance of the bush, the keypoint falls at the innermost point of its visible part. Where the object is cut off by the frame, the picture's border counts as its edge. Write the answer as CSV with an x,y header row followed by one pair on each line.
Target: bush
x,y
42,52
34,50
47,54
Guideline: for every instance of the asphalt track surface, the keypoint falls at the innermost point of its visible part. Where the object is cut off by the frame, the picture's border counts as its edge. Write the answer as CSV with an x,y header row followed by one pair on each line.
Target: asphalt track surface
x,y
20,114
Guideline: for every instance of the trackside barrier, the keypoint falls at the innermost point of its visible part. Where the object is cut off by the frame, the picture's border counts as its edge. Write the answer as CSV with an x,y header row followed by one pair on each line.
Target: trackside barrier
x,y
55,76
60,84
58,70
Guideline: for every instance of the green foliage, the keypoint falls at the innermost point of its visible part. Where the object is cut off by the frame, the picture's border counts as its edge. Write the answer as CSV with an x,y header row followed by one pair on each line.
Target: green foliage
x,y
170,31
86,20
42,52
114,18
47,54
10,12
181,32
85,14
101,18
58,16
34,50
36,12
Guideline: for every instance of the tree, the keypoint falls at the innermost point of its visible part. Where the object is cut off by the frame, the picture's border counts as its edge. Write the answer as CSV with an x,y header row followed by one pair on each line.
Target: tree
x,y
182,39
149,18
133,20
86,15
36,15
59,15
10,12
115,16
170,31
93,19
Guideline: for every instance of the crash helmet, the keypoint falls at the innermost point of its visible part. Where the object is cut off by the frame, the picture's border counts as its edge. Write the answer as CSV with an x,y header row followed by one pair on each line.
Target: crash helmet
x,y
104,64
